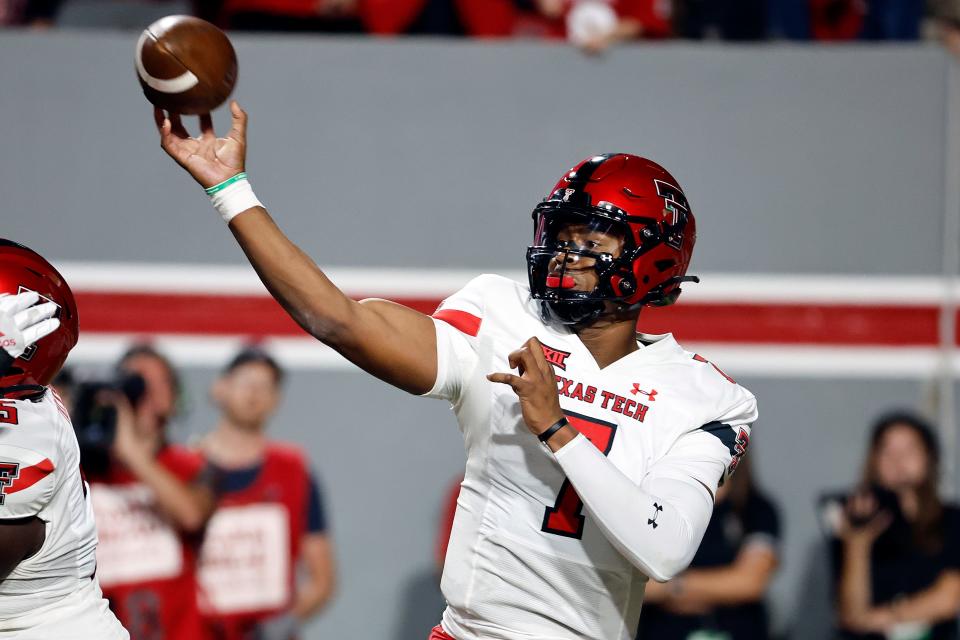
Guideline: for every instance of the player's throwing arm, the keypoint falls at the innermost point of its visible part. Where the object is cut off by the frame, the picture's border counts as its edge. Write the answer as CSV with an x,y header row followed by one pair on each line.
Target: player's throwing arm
x,y
388,340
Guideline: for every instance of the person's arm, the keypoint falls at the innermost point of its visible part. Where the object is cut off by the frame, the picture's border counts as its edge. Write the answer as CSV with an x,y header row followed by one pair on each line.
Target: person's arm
x,y
939,602
855,594
388,340
20,538
319,584
188,505
744,581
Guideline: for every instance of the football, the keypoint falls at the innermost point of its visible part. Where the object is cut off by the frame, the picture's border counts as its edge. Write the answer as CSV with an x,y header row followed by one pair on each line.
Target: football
x,y
185,65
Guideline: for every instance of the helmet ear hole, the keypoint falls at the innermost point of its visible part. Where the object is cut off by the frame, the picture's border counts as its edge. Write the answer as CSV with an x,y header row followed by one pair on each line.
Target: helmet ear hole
x,y
664,265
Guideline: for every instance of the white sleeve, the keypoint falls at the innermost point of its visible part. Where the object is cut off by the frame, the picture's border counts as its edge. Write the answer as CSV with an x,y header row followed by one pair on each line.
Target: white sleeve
x,y
657,525
458,321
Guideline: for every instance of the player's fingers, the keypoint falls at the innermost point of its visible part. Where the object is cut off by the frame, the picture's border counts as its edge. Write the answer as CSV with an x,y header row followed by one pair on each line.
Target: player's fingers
x,y
507,378
238,127
206,127
16,304
176,126
159,119
515,358
35,314
528,364
536,348
40,330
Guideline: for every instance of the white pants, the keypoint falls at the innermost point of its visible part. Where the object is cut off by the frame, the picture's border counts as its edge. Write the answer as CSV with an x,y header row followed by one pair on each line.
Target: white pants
x,y
83,615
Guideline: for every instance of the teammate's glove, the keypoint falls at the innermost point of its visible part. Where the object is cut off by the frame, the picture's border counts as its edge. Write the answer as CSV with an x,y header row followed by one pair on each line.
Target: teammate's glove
x,y
283,626
22,323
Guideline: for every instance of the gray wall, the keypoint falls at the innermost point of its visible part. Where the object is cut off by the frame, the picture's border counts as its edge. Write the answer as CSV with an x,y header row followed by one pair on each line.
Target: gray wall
x,y
432,153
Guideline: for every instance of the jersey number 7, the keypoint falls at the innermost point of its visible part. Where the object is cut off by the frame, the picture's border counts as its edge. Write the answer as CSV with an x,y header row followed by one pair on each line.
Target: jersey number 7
x,y
564,518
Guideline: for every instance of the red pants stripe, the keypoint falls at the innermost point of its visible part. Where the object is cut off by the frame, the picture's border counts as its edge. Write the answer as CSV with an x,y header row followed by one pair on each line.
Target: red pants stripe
x,y
439,634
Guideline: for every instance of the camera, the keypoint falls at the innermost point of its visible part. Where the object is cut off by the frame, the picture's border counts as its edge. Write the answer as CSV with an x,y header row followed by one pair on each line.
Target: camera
x,y
95,421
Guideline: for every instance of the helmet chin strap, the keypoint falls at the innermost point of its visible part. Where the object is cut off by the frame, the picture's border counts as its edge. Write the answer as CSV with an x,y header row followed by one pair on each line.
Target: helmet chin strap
x,y
571,312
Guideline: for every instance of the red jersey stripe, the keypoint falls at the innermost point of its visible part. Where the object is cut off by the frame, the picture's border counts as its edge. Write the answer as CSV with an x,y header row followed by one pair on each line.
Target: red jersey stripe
x,y
31,476
460,320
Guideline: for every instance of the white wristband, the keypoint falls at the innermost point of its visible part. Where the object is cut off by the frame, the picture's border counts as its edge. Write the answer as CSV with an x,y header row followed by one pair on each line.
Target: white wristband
x,y
233,196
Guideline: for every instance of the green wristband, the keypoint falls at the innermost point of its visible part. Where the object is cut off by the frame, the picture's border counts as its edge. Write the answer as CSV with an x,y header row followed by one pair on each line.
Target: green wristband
x,y
226,183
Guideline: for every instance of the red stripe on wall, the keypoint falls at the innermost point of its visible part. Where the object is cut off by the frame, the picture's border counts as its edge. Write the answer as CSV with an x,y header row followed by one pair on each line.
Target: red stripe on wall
x,y
753,323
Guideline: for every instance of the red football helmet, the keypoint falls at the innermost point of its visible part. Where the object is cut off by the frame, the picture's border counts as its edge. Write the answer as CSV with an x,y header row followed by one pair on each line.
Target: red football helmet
x,y
22,268
622,194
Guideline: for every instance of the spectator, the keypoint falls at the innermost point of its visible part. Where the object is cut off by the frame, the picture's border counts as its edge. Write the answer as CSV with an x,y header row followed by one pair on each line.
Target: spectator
x,y
329,16
893,19
269,521
721,594
34,13
741,20
897,559
151,504
548,19
945,23
837,20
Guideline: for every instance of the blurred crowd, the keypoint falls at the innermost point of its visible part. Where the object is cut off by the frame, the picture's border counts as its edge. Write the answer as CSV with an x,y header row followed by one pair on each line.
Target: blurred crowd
x,y
591,24
225,539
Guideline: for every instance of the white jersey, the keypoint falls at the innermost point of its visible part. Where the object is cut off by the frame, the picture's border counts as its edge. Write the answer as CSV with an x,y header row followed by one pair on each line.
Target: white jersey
x,y
40,476
525,560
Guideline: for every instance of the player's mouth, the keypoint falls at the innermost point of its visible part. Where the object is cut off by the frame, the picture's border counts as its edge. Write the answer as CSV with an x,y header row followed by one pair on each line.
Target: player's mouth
x,y
567,279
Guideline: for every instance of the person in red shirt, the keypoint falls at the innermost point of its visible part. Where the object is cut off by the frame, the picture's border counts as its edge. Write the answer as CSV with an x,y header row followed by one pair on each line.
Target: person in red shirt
x,y
549,19
269,521
151,504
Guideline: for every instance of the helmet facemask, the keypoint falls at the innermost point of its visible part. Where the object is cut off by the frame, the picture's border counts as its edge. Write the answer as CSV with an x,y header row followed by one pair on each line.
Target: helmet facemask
x,y
579,263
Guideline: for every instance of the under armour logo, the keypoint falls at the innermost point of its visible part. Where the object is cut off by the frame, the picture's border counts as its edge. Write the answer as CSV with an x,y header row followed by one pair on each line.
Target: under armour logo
x,y
652,394
656,512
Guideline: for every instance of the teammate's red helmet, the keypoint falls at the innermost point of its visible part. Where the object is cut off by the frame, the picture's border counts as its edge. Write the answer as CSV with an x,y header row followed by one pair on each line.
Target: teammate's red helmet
x,y
630,196
22,268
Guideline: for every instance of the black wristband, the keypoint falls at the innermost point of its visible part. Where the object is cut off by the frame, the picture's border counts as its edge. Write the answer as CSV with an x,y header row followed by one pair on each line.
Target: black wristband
x,y
552,429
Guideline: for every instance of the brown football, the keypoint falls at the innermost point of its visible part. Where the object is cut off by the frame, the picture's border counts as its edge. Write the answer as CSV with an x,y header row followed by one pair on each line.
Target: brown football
x,y
185,65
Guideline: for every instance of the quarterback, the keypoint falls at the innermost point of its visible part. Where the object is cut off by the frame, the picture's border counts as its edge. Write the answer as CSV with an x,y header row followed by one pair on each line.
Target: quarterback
x,y
593,453
48,589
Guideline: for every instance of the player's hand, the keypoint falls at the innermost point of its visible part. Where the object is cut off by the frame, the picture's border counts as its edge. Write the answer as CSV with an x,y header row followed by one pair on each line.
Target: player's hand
x,y
209,159
23,321
536,386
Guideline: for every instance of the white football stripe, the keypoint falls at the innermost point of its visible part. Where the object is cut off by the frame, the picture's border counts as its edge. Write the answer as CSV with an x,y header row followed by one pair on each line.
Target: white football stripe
x,y
183,82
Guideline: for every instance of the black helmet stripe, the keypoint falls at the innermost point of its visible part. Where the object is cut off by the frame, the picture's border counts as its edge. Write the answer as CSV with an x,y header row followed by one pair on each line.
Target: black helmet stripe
x,y
581,177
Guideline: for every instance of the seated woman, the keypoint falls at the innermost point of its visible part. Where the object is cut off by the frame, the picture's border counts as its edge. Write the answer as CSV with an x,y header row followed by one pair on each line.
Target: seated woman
x,y
897,549
720,597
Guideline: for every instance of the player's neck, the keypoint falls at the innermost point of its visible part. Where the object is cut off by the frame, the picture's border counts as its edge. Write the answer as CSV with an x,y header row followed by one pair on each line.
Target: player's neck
x,y
609,339
232,445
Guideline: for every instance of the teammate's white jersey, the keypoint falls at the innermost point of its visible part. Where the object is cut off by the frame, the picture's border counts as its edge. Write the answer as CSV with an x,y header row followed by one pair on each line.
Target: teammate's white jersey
x,y
525,559
52,594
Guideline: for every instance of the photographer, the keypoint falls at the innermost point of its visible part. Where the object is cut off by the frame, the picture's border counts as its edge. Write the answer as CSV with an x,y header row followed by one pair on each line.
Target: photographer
x,y
896,555
151,500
